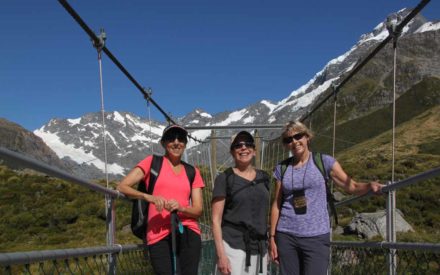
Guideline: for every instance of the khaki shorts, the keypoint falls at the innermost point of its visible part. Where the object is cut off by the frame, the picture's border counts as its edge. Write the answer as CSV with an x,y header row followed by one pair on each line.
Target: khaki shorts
x,y
237,258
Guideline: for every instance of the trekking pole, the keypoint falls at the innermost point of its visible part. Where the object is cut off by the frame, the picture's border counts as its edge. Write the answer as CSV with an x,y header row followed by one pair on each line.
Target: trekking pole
x,y
175,223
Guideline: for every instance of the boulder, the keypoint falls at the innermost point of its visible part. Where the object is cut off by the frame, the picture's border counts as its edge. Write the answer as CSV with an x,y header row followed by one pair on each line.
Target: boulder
x,y
369,225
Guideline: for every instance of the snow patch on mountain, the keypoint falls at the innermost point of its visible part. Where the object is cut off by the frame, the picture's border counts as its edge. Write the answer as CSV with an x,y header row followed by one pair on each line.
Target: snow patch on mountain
x,y
204,114
74,121
76,154
269,105
233,117
118,118
429,26
249,120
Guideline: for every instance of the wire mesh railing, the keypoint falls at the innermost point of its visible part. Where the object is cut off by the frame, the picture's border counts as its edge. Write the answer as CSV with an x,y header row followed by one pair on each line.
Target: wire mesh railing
x,y
130,259
371,258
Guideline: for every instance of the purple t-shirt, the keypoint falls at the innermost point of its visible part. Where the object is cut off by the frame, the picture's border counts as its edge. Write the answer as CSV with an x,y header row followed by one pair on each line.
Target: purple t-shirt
x,y
308,177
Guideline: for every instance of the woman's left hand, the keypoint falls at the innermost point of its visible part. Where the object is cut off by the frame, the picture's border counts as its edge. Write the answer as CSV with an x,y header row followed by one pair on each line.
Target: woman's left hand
x,y
172,205
376,187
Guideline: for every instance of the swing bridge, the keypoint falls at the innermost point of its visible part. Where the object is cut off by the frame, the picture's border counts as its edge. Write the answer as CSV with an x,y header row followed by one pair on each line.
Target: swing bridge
x,y
387,256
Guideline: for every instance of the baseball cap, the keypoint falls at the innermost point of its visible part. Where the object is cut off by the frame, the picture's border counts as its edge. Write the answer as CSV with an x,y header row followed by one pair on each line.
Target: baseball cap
x,y
174,131
241,136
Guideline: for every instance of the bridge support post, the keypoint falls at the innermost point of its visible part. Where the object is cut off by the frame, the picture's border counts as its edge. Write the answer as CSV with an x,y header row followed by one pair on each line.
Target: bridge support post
x,y
391,201
213,156
257,149
391,231
110,229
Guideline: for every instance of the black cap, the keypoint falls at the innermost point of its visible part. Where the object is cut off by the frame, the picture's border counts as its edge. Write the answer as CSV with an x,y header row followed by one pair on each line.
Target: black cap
x,y
243,136
173,129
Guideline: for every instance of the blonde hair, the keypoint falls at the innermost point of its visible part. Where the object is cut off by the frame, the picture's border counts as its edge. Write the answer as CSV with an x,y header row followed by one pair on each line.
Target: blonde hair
x,y
296,126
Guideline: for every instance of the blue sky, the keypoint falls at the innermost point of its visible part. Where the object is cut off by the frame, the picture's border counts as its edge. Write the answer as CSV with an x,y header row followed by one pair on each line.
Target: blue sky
x,y
214,55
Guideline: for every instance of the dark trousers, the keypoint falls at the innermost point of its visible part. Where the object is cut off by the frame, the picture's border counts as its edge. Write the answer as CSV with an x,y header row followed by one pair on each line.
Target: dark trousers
x,y
188,254
303,255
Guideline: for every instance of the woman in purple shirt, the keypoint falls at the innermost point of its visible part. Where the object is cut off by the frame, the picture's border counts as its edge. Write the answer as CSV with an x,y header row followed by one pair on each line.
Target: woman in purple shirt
x,y
299,224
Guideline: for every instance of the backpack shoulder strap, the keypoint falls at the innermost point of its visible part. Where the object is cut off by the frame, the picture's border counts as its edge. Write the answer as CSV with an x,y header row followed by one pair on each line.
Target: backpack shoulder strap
x,y
190,173
284,164
263,179
228,173
156,165
317,159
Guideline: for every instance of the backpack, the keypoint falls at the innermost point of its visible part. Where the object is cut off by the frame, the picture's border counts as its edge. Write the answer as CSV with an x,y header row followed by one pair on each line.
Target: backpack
x,y
317,159
139,211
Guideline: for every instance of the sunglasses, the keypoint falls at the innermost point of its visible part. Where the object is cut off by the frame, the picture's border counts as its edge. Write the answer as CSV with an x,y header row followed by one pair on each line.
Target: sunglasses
x,y
172,137
288,140
240,145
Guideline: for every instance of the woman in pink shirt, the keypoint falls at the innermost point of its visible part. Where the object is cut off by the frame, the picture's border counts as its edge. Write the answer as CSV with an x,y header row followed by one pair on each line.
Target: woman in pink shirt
x,y
172,193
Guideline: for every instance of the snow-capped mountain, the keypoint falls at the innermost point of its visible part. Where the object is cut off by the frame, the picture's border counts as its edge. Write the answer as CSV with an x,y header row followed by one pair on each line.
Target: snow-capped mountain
x,y
129,138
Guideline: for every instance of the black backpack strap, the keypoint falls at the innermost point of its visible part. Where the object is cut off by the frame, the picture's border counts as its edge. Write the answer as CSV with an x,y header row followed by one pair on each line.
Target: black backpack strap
x,y
264,178
139,214
156,165
190,173
317,159
229,172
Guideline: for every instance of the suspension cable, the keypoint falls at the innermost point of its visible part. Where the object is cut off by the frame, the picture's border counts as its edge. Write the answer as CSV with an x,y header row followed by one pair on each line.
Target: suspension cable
x,y
150,136
109,54
99,45
335,100
395,34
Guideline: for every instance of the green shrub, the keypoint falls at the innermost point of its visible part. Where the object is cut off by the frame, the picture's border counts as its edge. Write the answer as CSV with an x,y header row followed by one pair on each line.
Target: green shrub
x,y
13,179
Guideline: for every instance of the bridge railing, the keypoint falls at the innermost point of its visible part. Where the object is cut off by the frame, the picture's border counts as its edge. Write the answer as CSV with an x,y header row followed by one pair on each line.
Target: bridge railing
x,y
131,259
372,258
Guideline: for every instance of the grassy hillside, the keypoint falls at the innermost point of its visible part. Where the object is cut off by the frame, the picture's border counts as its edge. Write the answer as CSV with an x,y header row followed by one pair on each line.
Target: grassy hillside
x,y
416,150
422,96
38,212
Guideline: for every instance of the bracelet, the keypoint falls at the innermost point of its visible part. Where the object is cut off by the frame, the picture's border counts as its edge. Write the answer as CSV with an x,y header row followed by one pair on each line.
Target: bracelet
x,y
271,236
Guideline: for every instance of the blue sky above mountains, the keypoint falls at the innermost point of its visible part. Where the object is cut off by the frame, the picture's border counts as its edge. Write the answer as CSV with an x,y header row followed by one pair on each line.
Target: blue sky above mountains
x,y
217,56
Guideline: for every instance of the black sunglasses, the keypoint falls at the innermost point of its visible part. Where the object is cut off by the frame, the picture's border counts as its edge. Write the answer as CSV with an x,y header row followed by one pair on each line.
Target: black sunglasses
x,y
173,136
246,144
296,137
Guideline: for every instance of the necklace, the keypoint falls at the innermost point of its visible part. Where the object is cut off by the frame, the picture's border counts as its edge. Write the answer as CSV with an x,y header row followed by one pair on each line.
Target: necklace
x,y
305,171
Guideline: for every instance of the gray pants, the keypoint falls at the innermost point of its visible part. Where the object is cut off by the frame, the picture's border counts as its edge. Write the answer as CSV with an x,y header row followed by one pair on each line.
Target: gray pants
x,y
303,255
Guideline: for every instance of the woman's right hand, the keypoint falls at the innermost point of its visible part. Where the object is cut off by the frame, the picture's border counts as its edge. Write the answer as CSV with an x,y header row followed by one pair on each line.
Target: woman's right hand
x,y
158,201
223,265
273,250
